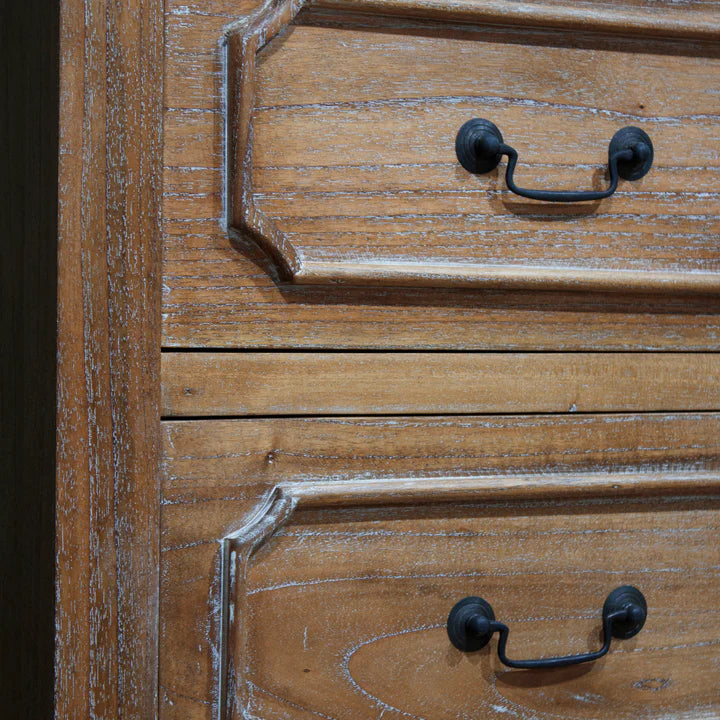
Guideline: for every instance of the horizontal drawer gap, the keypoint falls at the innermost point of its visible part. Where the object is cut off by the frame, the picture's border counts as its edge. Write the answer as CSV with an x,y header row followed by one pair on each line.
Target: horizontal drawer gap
x,y
431,415
424,351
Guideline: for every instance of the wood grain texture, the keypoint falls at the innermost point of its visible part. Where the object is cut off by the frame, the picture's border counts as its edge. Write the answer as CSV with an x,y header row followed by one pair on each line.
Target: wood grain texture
x,y
108,360
327,100
691,18
231,464
217,384
222,291
602,480
688,19
217,474
343,610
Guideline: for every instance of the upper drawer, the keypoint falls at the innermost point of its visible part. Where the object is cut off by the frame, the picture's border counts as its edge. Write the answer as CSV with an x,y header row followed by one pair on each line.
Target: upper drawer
x,y
344,164
342,168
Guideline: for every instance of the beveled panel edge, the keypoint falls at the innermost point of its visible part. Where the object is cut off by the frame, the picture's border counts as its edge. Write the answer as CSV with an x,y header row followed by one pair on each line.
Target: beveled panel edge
x,y
507,277
242,42
284,499
564,15
245,38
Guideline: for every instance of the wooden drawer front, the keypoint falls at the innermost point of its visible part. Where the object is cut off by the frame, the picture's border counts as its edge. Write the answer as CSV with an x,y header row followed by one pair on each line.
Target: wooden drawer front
x,y
342,171
343,153
340,611
348,540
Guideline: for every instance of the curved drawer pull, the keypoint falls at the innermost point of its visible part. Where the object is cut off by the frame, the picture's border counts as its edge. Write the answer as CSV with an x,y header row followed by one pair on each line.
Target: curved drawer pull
x,y
471,624
479,146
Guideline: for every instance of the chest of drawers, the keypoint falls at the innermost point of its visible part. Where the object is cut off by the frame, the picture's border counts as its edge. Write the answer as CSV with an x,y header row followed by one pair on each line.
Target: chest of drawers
x,y
319,382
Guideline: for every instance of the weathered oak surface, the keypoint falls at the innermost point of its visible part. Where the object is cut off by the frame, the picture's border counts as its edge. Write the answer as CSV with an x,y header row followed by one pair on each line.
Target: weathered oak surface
x,y
217,475
206,460
217,384
223,292
344,611
138,568
107,540
342,164
142,103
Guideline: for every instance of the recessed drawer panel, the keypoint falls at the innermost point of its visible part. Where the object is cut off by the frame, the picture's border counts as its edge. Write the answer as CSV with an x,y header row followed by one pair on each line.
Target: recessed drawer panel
x,y
342,611
345,165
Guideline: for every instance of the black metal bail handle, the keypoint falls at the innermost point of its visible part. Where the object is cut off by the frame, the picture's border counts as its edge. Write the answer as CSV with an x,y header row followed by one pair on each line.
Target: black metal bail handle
x,y
479,146
471,624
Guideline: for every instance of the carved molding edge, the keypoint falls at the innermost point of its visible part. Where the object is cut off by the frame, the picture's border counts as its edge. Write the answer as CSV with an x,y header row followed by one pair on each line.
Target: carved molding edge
x,y
237,548
244,40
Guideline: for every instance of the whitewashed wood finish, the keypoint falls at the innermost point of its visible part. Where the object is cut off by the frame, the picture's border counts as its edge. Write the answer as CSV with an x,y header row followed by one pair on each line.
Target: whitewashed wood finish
x,y
206,460
218,474
688,18
325,98
108,357
338,600
225,292
221,384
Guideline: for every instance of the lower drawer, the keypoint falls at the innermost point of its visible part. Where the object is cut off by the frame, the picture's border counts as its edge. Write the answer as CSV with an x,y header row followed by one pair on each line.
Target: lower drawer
x,y
309,566
340,611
